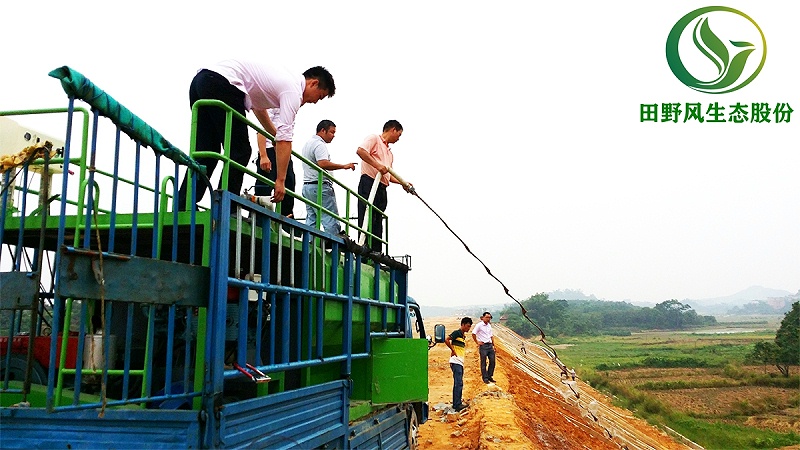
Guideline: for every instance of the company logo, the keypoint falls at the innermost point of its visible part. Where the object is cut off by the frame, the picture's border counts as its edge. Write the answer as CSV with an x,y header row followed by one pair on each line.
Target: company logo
x,y
716,49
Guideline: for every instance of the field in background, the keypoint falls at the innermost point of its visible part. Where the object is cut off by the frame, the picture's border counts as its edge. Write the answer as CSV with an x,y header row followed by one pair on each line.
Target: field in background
x,y
697,383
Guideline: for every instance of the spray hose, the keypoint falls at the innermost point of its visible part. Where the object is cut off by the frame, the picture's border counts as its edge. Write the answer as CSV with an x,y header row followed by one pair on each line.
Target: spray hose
x,y
410,189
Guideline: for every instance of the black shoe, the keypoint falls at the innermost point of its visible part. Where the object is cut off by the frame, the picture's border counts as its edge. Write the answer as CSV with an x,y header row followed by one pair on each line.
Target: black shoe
x,y
486,381
461,407
492,380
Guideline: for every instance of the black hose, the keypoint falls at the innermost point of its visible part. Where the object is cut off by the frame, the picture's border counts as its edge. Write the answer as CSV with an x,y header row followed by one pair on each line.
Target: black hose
x,y
505,288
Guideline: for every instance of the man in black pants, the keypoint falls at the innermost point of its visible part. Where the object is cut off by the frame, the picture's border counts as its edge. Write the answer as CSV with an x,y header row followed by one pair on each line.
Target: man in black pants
x,y
456,342
246,85
484,339
377,155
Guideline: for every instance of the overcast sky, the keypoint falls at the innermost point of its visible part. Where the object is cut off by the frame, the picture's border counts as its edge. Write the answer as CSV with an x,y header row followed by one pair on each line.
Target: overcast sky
x,y
521,126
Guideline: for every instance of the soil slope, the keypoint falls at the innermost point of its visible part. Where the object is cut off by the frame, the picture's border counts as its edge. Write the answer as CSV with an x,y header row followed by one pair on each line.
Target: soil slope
x,y
530,406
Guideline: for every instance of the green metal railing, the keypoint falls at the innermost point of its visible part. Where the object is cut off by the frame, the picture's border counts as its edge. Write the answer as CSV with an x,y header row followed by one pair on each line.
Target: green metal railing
x,y
90,200
228,164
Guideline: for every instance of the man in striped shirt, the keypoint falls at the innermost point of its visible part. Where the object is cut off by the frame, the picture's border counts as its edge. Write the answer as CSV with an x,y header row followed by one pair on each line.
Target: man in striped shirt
x,y
457,343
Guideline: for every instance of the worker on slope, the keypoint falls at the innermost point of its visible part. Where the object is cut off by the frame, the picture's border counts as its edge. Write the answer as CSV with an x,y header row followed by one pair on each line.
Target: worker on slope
x,y
457,343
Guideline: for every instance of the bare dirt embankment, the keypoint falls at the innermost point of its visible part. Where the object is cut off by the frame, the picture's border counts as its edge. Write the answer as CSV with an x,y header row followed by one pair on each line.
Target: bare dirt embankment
x,y
529,407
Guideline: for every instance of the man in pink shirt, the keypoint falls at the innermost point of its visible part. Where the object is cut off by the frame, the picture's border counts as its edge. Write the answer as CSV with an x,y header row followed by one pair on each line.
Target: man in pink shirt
x,y
377,155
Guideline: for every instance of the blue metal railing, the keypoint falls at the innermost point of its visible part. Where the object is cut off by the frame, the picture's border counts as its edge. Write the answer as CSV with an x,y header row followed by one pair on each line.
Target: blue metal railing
x,y
299,306
157,341
316,302
150,365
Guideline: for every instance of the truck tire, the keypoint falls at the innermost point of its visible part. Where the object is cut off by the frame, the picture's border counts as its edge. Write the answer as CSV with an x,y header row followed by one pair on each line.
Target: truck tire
x,y
413,428
17,365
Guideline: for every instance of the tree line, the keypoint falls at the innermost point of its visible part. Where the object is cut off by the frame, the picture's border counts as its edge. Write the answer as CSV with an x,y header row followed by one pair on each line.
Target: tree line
x,y
784,350
595,317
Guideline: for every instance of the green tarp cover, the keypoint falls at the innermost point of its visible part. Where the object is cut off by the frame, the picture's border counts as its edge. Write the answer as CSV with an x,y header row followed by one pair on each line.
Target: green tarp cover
x,y
78,86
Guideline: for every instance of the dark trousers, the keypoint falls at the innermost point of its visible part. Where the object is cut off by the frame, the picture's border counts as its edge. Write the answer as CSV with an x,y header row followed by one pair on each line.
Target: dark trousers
x,y
380,202
263,189
487,352
458,383
211,130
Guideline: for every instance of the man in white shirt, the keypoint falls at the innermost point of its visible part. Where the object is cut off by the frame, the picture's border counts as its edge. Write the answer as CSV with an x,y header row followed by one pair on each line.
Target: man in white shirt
x,y
484,339
244,86
316,151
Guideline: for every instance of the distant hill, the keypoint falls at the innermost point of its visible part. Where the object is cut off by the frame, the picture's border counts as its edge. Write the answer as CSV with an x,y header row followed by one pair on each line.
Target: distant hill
x,y
747,295
473,311
437,311
753,300
570,294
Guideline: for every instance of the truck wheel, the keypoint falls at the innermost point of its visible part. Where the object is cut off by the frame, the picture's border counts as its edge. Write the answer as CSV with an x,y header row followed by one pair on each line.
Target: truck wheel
x,y
17,365
413,428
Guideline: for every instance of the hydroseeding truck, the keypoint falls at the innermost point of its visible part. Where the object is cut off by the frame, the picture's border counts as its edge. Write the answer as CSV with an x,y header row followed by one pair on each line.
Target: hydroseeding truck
x,y
127,321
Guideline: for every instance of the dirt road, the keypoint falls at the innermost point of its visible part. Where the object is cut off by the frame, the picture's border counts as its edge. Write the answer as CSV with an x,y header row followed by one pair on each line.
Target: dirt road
x,y
529,407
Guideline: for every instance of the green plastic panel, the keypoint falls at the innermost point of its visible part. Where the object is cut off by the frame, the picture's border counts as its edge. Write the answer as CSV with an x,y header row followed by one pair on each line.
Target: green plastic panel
x,y
399,370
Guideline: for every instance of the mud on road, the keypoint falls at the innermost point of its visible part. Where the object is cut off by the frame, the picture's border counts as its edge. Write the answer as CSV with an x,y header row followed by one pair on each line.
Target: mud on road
x,y
529,407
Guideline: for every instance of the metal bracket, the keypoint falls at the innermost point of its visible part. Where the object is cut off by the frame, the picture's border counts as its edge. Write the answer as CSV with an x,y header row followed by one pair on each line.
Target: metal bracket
x,y
17,290
131,279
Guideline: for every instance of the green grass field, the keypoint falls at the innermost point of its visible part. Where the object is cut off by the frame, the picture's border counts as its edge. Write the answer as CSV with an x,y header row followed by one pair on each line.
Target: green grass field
x,y
705,350
699,384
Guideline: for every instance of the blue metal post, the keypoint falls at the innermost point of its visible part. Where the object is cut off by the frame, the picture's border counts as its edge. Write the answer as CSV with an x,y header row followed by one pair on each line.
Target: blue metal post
x,y
347,320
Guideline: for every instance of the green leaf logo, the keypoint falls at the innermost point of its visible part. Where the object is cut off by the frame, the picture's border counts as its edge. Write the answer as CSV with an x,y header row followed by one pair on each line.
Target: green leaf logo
x,y
730,59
